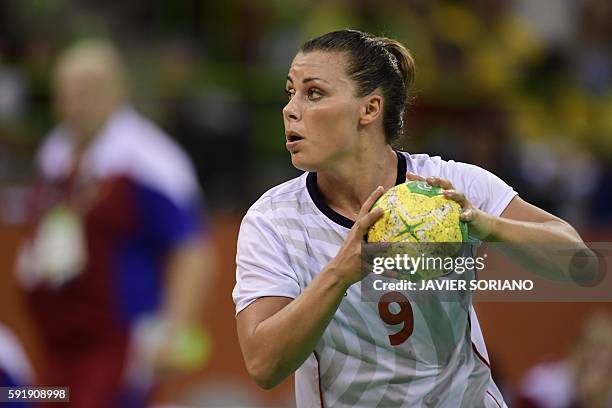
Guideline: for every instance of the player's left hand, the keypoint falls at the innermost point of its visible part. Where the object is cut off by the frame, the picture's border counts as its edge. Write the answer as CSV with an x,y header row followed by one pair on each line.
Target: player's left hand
x,y
480,224
163,351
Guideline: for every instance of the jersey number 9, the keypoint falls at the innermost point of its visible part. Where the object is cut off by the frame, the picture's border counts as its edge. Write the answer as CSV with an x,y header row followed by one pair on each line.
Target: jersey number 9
x,y
404,316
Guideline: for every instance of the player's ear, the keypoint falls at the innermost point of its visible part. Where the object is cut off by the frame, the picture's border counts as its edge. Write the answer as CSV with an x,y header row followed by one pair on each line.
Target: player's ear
x,y
371,109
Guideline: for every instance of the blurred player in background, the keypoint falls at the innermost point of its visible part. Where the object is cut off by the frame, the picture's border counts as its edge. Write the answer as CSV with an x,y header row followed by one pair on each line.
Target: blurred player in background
x,y
583,379
298,308
119,257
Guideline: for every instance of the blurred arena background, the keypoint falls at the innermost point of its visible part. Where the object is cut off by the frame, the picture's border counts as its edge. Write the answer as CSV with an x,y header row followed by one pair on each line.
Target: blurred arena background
x,y
522,88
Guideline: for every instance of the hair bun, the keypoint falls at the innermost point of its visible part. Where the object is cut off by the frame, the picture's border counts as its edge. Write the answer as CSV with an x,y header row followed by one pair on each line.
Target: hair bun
x,y
405,62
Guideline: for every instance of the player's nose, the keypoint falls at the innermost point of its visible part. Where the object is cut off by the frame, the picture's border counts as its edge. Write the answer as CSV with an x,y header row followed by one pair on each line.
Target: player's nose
x,y
291,111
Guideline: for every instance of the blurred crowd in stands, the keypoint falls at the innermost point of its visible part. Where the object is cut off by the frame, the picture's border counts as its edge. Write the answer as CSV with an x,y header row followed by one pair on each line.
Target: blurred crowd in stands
x,y
519,87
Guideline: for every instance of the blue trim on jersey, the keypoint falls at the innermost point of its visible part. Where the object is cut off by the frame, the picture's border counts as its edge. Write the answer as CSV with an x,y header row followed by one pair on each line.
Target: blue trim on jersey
x,y
164,222
161,225
7,381
139,280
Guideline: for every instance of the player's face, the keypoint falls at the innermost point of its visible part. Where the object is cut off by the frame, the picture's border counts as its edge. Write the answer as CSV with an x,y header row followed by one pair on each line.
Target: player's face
x,y
82,101
322,116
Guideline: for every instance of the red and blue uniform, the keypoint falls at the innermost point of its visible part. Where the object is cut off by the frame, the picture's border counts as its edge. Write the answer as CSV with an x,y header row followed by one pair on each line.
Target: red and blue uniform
x,y
135,197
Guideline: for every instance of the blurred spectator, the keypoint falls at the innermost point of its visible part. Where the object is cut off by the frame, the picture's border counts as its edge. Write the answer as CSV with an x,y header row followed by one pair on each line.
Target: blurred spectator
x,y
119,256
593,49
583,379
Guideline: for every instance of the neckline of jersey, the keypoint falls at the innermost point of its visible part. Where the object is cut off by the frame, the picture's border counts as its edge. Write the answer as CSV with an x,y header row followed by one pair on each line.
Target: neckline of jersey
x,y
319,200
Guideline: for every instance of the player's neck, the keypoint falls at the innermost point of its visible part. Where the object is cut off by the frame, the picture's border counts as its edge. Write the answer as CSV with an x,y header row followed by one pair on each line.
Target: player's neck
x,y
348,186
83,134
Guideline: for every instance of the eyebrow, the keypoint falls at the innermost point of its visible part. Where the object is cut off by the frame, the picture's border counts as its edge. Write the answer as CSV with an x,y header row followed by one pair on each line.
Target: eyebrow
x,y
308,79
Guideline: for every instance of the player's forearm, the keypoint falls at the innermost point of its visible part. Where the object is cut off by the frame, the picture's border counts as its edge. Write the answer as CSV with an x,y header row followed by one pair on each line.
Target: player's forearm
x,y
534,246
513,231
287,338
190,271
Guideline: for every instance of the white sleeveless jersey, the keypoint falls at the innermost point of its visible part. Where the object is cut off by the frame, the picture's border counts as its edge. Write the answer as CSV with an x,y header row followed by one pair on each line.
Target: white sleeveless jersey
x,y
286,239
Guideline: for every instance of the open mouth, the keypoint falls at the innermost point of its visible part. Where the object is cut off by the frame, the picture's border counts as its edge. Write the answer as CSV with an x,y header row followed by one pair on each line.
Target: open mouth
x,y
293,138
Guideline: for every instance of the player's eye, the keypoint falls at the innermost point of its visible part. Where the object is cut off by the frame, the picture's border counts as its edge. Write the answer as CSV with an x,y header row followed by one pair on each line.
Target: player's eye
x,y
314,94
289,93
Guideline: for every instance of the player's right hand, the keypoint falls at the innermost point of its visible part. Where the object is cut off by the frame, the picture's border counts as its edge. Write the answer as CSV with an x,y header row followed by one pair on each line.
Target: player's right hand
x,y
347,263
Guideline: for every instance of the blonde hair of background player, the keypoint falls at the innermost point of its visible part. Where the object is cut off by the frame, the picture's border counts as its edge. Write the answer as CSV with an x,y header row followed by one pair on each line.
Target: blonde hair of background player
x,y
89,84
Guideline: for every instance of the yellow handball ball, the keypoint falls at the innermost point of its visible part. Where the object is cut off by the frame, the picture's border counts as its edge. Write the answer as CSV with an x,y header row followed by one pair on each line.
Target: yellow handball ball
x,y
417,212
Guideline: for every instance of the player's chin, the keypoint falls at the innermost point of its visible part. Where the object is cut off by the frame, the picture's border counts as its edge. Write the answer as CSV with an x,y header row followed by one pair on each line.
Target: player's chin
x,y
302,161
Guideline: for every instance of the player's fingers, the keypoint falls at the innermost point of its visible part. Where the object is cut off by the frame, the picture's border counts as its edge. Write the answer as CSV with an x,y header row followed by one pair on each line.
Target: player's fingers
x,y
414,177
457,197
369,202
468,212
467,215
440,182
368,219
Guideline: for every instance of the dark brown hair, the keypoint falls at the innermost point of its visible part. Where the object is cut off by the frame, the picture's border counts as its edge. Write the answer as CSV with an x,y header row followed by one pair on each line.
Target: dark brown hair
x,y
374,62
